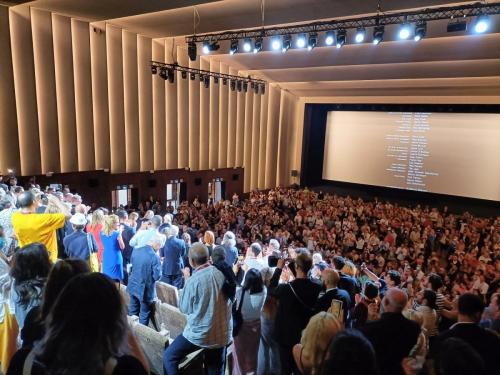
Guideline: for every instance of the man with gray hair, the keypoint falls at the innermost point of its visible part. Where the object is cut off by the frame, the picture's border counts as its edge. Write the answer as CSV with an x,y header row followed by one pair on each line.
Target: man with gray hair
x,y
146,232
145,271
167,222
229,243
172,254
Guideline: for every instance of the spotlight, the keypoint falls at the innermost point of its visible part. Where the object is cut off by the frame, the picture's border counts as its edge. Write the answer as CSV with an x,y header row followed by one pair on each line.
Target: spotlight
x,y
202,78
216,80
247,45
301,41
313,40
482,24
206,81
193,76
238,85
224,81
341,38
163,73
192,51
276,43
184,74
210,47
234,47
329,38
378,34
420,30
360,35
257,45
404,31
206,48
154,70
245,86
263,88
256,89
171,75
232,84
287,42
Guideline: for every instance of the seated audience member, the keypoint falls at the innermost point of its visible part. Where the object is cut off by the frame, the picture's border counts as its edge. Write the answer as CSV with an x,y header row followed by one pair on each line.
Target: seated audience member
x,y
296,306
30,268
392,336
316,337
350,353
331,279
172,253
79,244
219,262
485,342
457,357
209,323
86,333
347,283
367,308
229,244
30,227
251,297
112,258
146,270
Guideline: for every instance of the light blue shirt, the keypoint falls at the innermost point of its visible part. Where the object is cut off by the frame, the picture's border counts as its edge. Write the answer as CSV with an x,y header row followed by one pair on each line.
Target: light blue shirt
x,y
142,237
208,310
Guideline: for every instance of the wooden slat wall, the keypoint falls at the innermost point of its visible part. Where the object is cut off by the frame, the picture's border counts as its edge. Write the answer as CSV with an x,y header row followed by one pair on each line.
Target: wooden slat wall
x,y
204,119
171,110
182,112
194,119
213,146
159,110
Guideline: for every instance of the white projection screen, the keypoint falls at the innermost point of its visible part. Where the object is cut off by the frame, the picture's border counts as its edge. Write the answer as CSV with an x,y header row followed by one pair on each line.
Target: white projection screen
x,y
447,153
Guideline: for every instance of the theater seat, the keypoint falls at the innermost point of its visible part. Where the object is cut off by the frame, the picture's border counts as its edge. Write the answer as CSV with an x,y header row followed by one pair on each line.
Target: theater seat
x,y
167,293
170,317
125,295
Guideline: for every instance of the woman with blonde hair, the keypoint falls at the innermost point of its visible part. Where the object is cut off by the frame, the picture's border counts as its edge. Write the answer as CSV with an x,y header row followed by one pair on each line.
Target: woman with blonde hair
x,y
310,354
209,241
94,228
349,269
112,259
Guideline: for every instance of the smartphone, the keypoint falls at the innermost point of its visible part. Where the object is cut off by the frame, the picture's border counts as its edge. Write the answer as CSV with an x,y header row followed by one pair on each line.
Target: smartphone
x,y
336,309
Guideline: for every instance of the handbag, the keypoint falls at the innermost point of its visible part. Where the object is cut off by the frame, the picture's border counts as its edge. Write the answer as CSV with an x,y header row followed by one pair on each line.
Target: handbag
x,y
238,316
93,261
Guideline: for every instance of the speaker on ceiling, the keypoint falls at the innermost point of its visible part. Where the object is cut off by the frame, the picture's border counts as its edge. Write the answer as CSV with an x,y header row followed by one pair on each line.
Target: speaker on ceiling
x,y
152,183
236,177
197,181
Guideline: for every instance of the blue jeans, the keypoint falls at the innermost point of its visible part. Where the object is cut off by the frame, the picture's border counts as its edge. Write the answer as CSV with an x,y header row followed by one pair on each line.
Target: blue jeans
x,y
141,309
174,280
269,353
214,359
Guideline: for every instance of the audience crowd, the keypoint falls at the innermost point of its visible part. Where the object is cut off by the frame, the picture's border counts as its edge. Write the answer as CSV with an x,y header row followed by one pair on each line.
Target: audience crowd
x,y
288,281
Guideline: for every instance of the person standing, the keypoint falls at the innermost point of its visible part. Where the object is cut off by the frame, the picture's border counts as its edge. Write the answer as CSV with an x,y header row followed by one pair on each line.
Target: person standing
x,y
127,233
331,279
112,259
172,254
79,244
95,228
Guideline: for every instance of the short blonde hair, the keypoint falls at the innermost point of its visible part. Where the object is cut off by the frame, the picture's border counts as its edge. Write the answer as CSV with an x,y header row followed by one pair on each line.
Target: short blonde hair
x,y
350,269
109,221
209,237
316,338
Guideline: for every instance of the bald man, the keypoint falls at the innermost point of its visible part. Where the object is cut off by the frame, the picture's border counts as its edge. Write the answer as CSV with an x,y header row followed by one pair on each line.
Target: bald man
x,y
392,336
331,278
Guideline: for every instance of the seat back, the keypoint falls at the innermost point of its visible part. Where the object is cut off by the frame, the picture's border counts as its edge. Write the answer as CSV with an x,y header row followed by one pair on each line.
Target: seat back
x,y
167,293
170,317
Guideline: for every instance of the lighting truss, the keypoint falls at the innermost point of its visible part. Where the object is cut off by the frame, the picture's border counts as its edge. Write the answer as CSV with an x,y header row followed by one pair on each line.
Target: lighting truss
x,y
389,18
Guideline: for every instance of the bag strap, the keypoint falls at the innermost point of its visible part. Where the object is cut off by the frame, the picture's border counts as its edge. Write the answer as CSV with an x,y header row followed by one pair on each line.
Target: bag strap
x,y
28,363
241,301
90,244
299,299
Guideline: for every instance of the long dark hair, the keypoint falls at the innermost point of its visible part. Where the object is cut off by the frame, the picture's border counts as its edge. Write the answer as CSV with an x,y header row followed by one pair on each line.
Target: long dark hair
x,y
86,326
30,268
430,296
253,281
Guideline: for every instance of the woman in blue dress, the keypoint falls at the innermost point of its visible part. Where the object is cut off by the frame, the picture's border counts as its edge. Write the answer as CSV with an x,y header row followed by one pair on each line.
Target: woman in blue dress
x,y
112,259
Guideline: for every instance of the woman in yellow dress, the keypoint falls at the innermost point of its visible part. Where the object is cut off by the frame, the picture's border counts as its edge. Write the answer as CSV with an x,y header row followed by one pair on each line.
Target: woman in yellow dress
x,y
8,323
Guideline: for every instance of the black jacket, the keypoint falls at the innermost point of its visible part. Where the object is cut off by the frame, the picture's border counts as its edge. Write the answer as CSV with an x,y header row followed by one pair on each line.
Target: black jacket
x,y
325,301
229,286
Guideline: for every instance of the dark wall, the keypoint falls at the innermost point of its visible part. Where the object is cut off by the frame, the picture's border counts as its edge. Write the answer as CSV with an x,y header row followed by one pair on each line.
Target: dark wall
x,y
96,186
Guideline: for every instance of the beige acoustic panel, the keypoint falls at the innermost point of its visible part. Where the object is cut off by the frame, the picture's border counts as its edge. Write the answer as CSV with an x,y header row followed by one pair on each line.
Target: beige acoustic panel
x,y
194,119
296,154
231,123
43,53
131,102
100,107
247,145
9,141
240,128
65,89
223,118
213,147
285,148
182,111
273,117
80,37
171,108
25,91
159,110
145,87
204,119
256,141
261,180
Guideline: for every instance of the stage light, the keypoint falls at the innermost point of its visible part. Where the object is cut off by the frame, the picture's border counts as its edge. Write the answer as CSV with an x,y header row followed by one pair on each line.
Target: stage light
x,y
224,81
404,31
216,80
263,89
276,43
360,35
163,73
482,24
301,41
257,47
184,74
232,84
378,34
247,45
192,51
210,47
206,48
154,70
193,76
420,30
458,25
256,89
245,86
341,38
206,81
313,40
171,75
238,85
234,47
329,38
202,78
287,42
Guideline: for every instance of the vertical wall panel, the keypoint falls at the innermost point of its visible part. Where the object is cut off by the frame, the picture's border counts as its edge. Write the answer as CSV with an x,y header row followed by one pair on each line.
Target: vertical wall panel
x,y
213,147
145,87
194,119
25,92
159,110
261,183
231,124
9,141
272,135
100,108
247,145
284,129
43,53
171,109
254,159
182,111
83,94
131,101
223,118
240,128
65,89
204,118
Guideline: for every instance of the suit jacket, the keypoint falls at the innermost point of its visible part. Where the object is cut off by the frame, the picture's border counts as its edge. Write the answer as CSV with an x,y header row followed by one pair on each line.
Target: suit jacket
x,y
325,301
146,270
173,252
127,234
392,336
350,285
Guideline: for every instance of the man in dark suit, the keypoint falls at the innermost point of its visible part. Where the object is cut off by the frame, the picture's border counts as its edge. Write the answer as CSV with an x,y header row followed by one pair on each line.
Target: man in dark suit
x,y
146,270
172,254
392,336
346,282
484,341
331,279
127,233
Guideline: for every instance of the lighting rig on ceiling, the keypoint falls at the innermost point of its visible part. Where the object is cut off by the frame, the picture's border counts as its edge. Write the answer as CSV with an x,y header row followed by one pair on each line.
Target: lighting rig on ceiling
x,y
412,25
168,73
